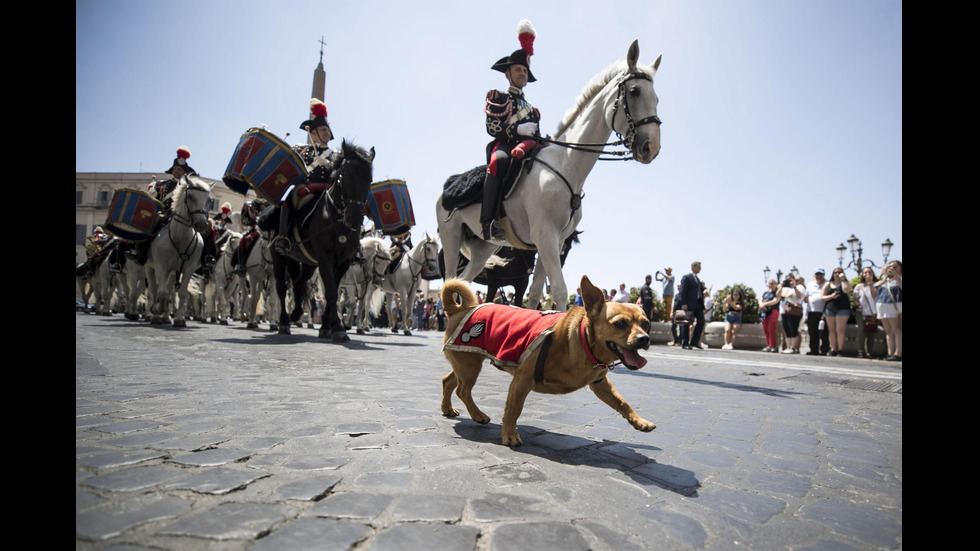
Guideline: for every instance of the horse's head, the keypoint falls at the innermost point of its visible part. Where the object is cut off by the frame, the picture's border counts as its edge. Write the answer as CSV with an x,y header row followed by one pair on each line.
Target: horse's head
x,y
354,183
191,199
634,114
430,255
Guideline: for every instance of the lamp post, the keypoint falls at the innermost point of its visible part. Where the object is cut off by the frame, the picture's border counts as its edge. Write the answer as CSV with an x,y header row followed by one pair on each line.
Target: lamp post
x,y
857,262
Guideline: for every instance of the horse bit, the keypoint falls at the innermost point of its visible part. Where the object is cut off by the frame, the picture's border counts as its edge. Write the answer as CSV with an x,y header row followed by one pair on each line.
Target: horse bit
x,y
189,222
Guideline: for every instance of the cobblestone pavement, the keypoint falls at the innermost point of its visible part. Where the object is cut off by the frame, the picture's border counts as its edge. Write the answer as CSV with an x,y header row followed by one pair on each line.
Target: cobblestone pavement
x,y
220,437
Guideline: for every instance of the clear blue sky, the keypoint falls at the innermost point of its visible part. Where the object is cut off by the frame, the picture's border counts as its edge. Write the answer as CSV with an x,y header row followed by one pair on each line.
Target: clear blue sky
x,y
782,131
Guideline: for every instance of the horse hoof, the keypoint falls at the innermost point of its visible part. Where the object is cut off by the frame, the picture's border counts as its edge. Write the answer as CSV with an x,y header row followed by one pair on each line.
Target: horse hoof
x,y
273,327
340,337
309,326
252,325
394,329
408,333
180,323
360,331
284,330
224,322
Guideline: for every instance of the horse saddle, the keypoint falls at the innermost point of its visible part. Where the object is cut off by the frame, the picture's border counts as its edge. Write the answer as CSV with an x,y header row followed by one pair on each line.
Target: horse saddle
x,y
465,189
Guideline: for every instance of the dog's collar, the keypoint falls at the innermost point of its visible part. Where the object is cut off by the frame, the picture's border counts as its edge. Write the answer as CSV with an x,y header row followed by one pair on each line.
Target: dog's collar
x,y
588,351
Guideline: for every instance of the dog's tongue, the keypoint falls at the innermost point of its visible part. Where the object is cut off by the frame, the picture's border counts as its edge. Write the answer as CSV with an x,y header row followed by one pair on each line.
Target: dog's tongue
x,y
633,359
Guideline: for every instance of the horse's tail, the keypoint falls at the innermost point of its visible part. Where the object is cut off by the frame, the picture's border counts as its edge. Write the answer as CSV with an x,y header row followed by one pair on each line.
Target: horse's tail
x,y
375,301
457,288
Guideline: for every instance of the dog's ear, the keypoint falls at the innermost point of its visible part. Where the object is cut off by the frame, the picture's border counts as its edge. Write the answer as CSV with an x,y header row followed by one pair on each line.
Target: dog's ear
x,y
592,297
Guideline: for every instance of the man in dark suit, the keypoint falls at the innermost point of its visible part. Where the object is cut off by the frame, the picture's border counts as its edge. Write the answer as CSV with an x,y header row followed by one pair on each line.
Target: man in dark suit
x,y
691,299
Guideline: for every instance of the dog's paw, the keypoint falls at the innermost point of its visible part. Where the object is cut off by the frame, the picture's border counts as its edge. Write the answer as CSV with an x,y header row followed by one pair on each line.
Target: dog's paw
x,y
513,439
642,424
482,418
450,412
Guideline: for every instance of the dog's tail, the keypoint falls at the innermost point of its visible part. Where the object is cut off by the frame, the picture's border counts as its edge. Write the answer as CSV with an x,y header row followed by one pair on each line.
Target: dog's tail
x,y
457,296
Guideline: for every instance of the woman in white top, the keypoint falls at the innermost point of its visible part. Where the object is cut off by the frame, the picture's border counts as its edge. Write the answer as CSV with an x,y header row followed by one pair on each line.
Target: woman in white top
x,y
865,315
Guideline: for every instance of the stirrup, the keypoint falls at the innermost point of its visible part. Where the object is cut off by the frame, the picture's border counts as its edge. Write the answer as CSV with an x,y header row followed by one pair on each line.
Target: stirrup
x,y
281,244
493,230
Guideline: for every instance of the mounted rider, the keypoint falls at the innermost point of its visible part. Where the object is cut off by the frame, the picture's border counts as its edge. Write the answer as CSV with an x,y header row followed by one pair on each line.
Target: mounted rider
x,y
96,249
320,161
163,191
251,210
513,123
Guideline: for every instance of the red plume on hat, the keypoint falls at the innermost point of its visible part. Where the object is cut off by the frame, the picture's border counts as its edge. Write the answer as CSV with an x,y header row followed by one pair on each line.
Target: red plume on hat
x,y
317,108
183,152
526,35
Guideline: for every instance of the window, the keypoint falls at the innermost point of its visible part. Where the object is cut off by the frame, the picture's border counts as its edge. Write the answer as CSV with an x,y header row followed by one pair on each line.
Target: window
x,y
79,234
78,197
104,198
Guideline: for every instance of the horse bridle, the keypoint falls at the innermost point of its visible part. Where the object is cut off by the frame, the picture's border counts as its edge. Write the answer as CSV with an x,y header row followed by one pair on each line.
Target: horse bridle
x,y
622,97
344,203
192,245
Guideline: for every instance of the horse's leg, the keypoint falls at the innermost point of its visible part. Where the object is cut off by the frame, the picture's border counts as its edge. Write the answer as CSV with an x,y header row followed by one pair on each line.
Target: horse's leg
x,y
330,274
520,286
183,299
480,252
549,262
282,283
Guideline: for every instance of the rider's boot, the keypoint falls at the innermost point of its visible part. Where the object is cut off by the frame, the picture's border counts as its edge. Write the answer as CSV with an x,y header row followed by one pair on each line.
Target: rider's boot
x,y
488,211
138,252
281,243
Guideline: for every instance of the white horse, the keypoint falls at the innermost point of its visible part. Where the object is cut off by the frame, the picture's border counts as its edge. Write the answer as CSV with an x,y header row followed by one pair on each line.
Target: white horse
x,y
175,253
260,279
363,281
404,278
545,207
222,289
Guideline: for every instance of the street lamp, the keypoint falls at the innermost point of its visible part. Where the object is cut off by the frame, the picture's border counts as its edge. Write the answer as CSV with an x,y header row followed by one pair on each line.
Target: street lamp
x,y
765,275
857,262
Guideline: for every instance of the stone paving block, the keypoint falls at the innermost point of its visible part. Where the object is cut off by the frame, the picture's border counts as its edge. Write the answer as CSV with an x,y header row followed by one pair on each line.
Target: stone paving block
x,y
322,534
511,473
308,488
497,507
413,537
217,481
789,465
667,529
351,505
194,442
429,508
779,484
390,482
743,505
114,518
124,458
538,535
612,538
230,521
210,457
359,429
84,500
866,525
135,478
130,426
140,439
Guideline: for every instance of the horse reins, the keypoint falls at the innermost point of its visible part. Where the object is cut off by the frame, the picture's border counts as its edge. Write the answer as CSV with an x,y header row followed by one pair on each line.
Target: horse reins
x,y
621,98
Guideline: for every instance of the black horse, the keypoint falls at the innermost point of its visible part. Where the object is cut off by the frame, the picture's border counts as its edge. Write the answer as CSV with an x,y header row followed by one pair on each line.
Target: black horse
x,y
329,240
515,268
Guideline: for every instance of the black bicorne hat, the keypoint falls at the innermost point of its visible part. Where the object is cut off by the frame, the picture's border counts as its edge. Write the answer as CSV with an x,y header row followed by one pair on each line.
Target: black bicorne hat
x,y
526,35
318,117
183,153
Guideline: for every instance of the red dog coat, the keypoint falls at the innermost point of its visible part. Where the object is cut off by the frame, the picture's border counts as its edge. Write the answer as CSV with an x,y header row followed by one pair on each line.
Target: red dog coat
x,y
504,334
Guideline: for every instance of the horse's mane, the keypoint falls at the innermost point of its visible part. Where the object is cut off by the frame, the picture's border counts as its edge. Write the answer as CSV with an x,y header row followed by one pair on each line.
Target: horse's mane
x,y
378,245
594,86
188,182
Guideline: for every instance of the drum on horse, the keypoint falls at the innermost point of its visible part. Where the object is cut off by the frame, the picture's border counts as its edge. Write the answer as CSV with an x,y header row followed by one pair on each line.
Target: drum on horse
x,y
175,252
545,206
403,278
363,280
329,239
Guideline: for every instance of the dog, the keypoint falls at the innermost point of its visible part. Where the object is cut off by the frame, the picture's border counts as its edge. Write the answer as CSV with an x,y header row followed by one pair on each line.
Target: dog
x,y
562,353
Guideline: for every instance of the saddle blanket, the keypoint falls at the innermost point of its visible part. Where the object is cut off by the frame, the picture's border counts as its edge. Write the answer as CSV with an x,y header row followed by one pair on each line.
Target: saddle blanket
x,y
506,335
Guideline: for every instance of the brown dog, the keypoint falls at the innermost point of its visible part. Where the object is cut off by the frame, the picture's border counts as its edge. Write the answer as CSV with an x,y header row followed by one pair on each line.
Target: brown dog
x,y
585,343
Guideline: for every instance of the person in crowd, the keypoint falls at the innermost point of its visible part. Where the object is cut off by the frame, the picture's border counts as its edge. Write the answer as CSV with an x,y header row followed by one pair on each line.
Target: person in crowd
x,y
837,308
646,297
667,291
889,303
769,312
578,297
865,311
734,304
819,338
691,300
792,294
623,296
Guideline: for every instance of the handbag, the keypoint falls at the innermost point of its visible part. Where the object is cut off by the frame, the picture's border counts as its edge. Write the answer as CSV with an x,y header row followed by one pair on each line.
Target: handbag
x,y
793,308
870,324
683,317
